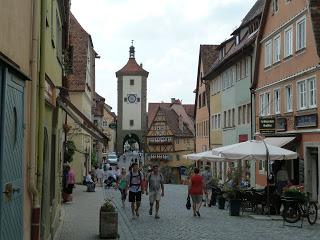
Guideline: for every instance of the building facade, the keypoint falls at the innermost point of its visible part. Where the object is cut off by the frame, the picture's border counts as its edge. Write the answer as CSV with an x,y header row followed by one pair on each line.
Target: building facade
x,y
132,105
285,83
230,79
207,56
170,136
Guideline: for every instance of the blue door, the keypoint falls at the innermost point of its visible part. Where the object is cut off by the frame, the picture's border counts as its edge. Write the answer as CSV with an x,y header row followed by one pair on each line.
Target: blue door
x,y
11,155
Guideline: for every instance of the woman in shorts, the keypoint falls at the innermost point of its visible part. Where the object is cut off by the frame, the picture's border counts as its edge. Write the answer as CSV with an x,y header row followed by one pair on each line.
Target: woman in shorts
x,y
122,185
196,190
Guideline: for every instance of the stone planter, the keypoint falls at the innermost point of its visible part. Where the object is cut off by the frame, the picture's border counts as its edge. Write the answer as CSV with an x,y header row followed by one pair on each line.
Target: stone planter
x,y
108,228
221,202
234,207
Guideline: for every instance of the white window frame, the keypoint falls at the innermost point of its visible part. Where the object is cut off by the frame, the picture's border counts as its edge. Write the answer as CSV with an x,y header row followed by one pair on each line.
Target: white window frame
x,y
288,99
314,92
276,101
277,49
268,54
264,104
275,6
298,46
288,52
299,107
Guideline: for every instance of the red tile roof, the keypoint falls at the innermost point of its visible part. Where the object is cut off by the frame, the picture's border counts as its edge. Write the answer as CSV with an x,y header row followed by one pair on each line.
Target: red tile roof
x,y
132,68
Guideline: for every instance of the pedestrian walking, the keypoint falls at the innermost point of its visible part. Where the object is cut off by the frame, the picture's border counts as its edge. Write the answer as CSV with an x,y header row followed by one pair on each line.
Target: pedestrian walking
x,y
135,187
196,190
122,185
99,174
155,182
207,177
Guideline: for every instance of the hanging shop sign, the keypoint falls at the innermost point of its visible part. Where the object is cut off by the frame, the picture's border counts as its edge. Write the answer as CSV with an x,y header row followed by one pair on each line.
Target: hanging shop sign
x,y
267,126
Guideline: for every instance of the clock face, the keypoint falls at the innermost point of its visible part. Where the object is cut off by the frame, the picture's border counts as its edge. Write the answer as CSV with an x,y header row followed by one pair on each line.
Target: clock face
x,y
132,98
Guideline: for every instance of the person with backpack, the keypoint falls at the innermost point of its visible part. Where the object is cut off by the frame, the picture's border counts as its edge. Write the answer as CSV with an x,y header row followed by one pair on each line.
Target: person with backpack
x,y
155,181
136,189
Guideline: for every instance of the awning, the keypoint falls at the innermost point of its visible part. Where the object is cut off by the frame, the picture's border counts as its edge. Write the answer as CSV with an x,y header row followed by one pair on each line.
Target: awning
x,y
82,120
279,141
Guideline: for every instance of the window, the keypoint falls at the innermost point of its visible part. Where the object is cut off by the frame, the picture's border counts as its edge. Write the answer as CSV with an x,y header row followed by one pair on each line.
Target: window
x,y
288,98
276,101
301,34
288,42
312,92
276,49
125,99
131,123
58,37
239,115
237,39
247,67
244,114
229,118
138,99
95,122
248,113
302,95
224,119
104,123
275,6
268,54
131,82
233,117
265,104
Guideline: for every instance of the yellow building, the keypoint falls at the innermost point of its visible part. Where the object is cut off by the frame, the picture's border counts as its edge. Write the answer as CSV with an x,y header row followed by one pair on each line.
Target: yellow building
x,y
170,136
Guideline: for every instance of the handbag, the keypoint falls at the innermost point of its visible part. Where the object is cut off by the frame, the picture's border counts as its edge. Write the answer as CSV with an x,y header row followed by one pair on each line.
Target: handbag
x,y
188,204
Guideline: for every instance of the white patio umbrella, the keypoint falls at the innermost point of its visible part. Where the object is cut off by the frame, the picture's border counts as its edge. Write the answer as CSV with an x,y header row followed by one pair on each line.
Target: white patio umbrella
x,y
207,155
254,150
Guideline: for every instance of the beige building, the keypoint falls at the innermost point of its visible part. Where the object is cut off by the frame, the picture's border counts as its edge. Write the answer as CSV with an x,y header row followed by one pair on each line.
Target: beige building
x,y
170,136
286,80
207,56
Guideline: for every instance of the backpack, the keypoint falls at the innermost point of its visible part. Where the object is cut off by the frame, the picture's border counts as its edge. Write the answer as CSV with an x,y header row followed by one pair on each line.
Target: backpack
x,y
131,176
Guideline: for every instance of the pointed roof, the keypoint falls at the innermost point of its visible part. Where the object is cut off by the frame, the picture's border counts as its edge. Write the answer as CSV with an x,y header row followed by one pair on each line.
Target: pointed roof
x,y
208,54
132,67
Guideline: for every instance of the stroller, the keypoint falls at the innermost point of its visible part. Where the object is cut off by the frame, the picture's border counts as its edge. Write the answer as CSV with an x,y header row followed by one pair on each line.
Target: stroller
x,y
110,182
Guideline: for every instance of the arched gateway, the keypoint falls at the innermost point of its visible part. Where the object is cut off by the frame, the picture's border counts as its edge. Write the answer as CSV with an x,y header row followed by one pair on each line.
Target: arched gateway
x,y
132,105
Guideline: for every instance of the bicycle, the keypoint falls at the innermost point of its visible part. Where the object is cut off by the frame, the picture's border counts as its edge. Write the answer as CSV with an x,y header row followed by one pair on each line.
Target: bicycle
x,y
296,208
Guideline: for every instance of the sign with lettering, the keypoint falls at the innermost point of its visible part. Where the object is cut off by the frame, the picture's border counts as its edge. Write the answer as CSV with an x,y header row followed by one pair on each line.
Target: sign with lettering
x,y
281,125
267,125
306,121
113,125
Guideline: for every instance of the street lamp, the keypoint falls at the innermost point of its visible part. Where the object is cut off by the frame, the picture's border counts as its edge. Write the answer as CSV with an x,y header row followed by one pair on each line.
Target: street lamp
x,y
261,137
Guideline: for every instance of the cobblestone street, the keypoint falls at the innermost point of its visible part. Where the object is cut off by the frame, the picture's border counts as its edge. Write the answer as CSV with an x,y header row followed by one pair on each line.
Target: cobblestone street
x,y
81,221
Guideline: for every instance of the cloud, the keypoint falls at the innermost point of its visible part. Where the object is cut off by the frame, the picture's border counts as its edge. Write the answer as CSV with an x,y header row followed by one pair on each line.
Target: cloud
x,y
167,36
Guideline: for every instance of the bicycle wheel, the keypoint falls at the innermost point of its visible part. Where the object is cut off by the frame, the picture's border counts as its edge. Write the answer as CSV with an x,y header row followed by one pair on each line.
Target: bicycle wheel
x,y
291,212
312,213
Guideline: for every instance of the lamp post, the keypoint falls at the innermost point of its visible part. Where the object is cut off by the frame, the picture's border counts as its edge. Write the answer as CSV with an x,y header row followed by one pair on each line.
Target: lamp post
x,y
259,135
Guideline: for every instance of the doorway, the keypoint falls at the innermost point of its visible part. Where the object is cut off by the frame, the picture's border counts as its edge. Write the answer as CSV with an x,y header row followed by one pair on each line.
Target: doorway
x,y
312,173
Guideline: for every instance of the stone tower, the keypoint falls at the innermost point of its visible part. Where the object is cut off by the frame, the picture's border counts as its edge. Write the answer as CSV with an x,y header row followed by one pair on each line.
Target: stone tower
x,y
132,104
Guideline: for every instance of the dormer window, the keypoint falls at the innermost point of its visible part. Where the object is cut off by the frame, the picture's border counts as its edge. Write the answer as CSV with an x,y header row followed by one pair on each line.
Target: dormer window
x,y
237,40
275,6
222,52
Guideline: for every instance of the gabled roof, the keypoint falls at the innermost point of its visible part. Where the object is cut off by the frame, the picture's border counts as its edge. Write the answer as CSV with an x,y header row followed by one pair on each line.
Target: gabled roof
x,y
153,108
254,12
132,68
172,119
219,64
315,17
208,54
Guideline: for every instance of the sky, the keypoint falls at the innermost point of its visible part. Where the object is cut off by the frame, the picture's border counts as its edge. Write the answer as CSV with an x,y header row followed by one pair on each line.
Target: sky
x,y
167,35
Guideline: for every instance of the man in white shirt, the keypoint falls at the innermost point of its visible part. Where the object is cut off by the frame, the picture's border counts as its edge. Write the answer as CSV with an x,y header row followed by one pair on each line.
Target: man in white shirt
x,y
155,181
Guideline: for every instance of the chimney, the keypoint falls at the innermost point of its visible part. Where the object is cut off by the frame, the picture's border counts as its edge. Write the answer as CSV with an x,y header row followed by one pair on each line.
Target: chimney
x,y
173,100
181,123
141,65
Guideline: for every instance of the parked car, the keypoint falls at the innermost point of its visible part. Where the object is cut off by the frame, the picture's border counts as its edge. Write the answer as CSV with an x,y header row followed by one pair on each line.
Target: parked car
x,y
112,159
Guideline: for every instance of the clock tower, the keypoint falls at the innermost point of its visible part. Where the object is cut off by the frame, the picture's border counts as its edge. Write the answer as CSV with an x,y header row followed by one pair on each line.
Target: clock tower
x,y
132,105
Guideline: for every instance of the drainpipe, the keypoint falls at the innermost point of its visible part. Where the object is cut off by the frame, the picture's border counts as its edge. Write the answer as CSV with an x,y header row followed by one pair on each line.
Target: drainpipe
x,y
33,124
36,211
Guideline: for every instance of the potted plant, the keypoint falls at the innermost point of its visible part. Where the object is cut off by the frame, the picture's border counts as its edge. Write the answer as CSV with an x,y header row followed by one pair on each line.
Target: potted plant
x,y
108,227
232,191
215,190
